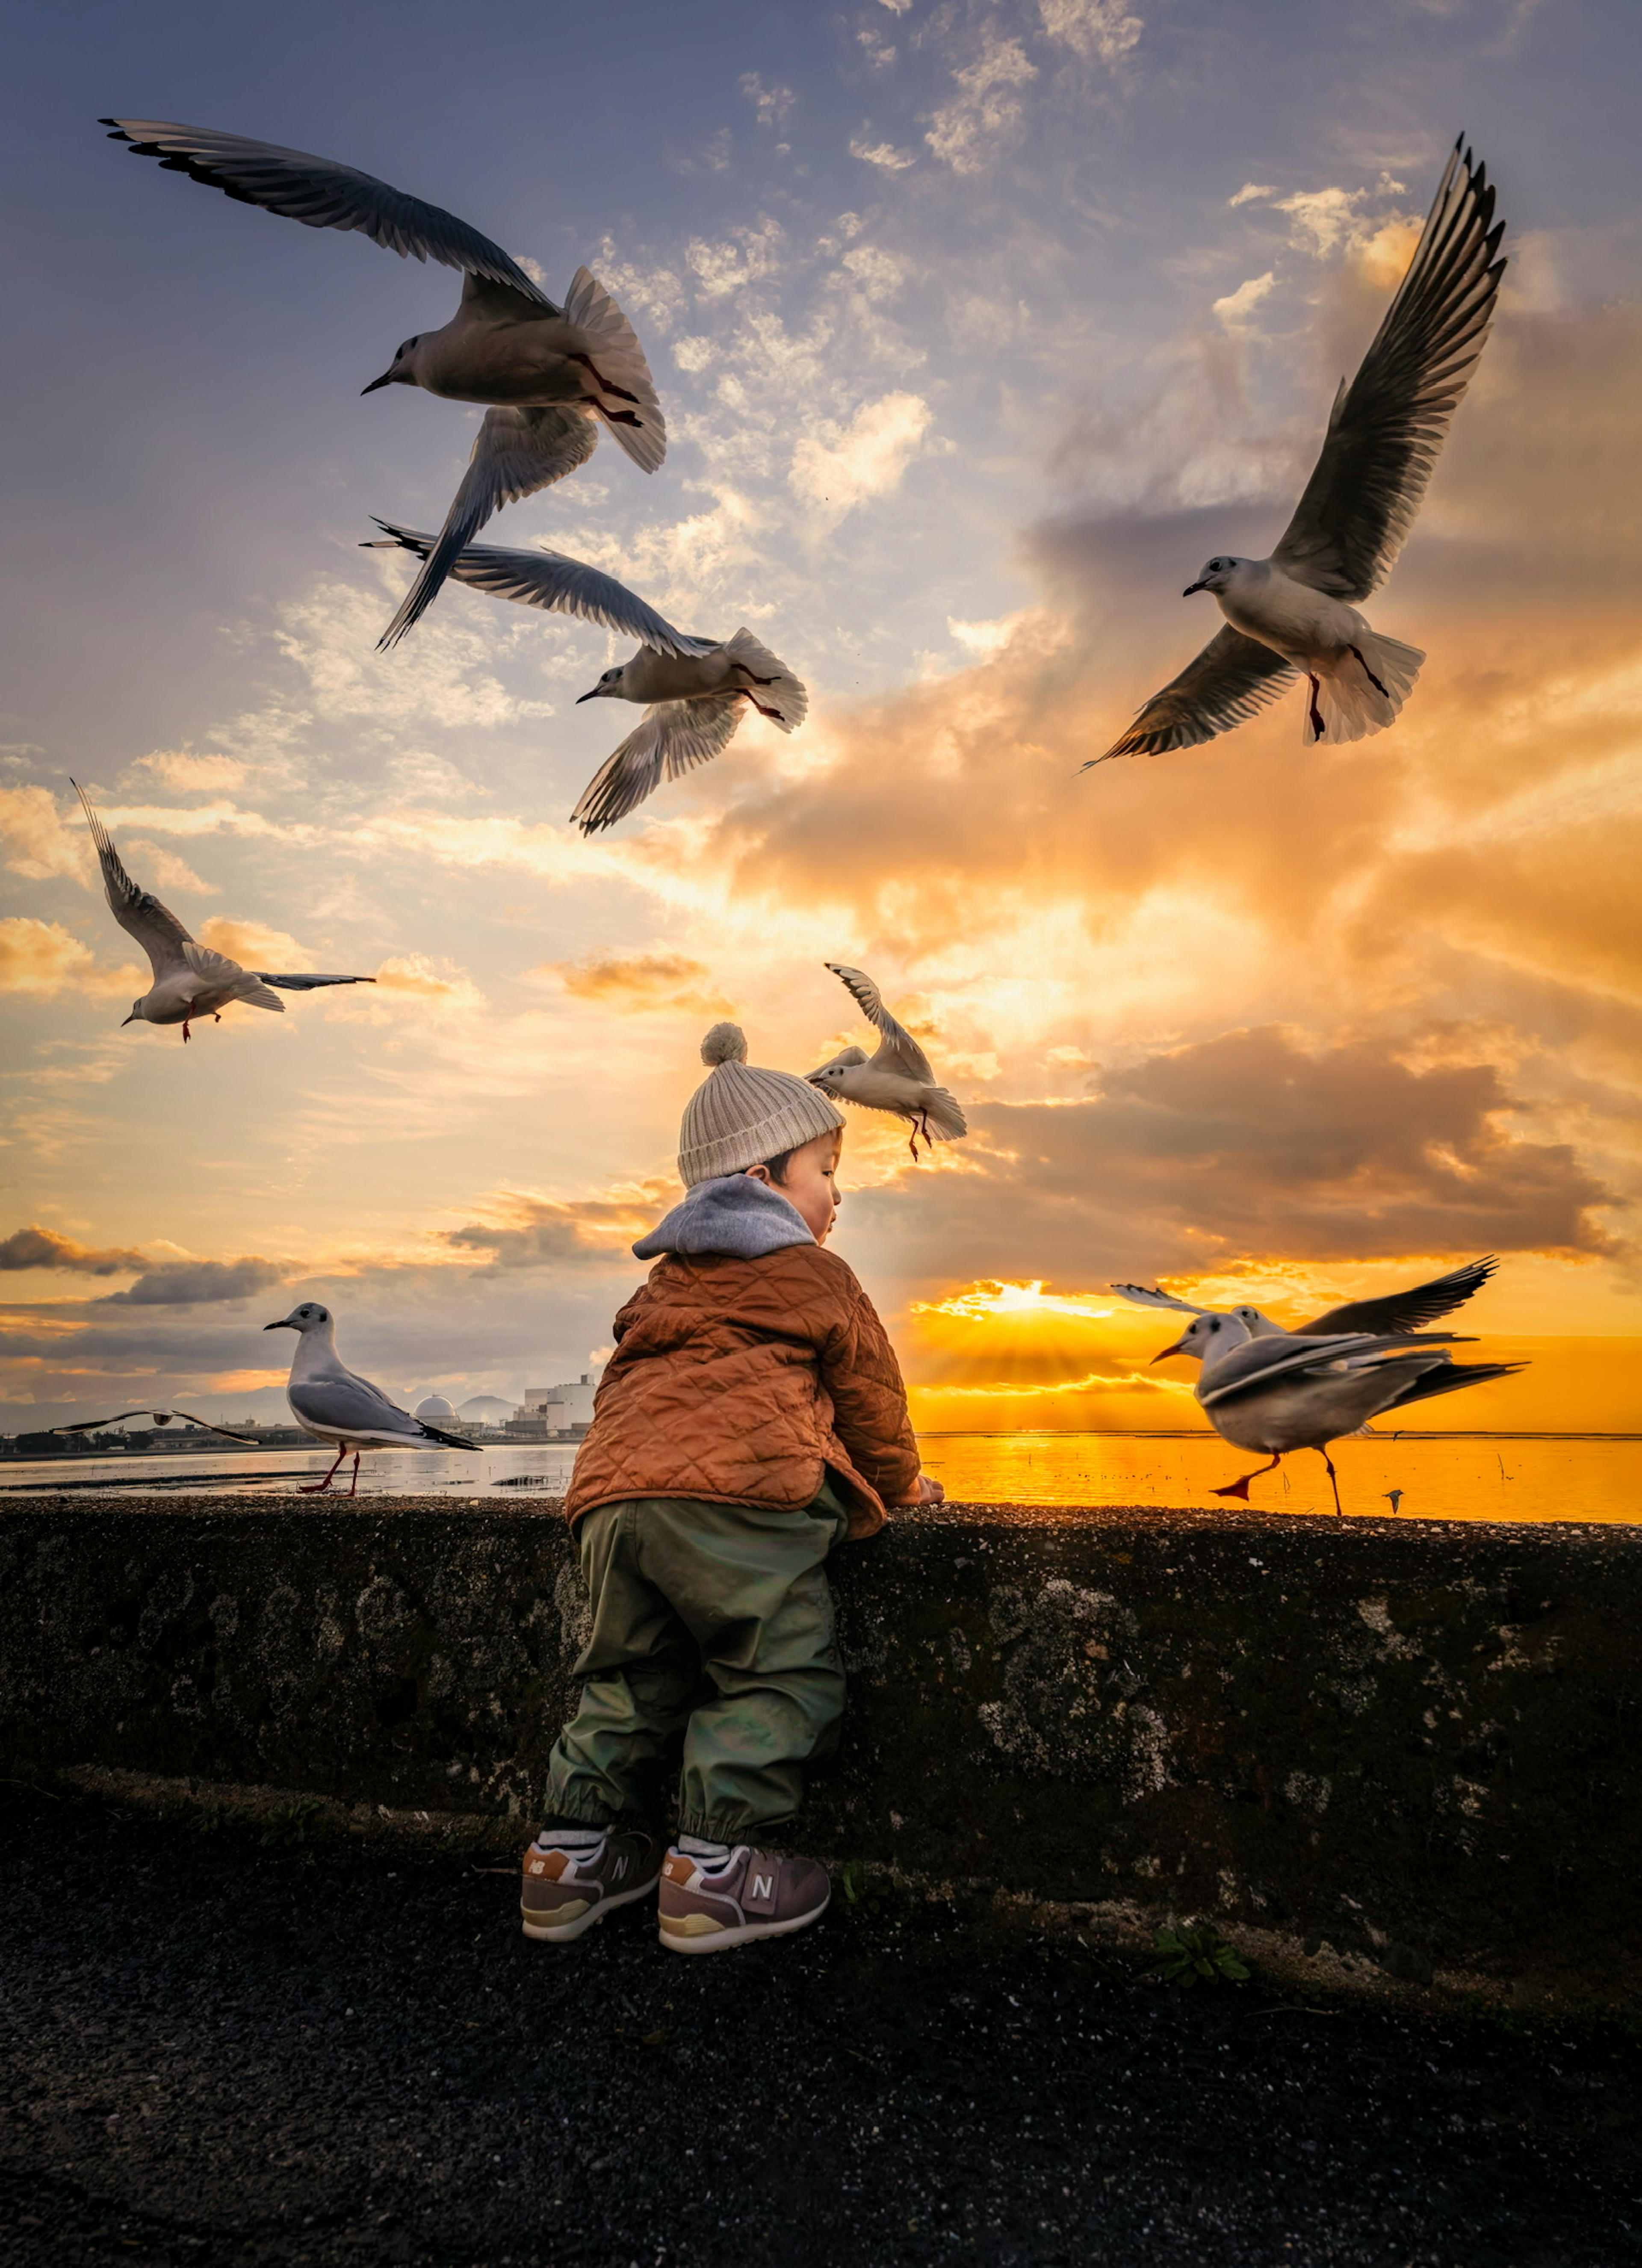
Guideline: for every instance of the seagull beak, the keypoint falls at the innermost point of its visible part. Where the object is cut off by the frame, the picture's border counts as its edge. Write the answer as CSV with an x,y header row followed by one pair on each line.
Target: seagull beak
x,y
386,378
1168,1350
284,1324
131,1019
593,695
1186,594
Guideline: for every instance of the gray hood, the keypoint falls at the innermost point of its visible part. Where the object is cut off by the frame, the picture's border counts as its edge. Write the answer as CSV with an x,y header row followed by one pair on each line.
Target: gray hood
x,y
730,1213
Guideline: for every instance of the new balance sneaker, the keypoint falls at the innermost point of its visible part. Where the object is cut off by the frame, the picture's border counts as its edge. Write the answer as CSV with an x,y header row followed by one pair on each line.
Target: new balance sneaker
x,y
567,1890
755,1894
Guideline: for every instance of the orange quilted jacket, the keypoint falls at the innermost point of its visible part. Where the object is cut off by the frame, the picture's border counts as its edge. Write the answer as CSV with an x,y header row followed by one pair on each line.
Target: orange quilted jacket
x,y
740,1380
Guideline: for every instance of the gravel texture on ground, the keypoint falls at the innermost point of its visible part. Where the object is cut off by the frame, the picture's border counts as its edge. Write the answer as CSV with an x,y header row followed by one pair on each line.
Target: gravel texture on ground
x,y
216,2050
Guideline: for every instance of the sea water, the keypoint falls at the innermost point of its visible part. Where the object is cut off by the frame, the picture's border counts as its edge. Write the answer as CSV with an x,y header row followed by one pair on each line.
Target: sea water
x,y
1442,1476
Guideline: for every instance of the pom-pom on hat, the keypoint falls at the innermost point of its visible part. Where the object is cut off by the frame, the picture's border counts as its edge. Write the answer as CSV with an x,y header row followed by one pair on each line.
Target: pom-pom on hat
x,y
739,1116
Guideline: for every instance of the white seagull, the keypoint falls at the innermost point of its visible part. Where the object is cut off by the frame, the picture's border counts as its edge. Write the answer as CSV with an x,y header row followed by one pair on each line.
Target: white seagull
x,y
1297,610
190,980
694,690
159,1416
338,1407
897,1078
547,372
1285,1392
1389,1316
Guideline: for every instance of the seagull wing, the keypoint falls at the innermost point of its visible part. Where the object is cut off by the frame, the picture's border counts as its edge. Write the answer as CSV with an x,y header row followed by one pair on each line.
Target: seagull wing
x,y
560,585
846,1059
517,452
155,927
1231,679
209,1428
675,737
1388,426
900,1051
90,1424
304,981
1145,1296
1405,1311
1259,1363
346,1403
321,194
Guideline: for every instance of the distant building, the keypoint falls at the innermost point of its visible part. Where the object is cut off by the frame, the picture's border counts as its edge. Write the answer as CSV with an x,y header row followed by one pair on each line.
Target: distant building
x,y
561,1407
434,1410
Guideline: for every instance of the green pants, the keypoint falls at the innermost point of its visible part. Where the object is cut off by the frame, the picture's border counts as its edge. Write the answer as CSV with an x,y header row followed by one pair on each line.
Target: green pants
x,y
713,1621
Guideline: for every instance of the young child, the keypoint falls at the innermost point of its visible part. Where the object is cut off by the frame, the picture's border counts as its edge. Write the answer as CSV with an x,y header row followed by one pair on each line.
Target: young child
x,y
752,1414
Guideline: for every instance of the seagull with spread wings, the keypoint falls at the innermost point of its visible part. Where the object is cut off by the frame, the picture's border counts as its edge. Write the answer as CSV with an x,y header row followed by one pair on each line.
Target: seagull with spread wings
x,y
190,980
1393,1313
340,1408
550,374
1296,612
1288,1391
897,1078
160,1417
695,691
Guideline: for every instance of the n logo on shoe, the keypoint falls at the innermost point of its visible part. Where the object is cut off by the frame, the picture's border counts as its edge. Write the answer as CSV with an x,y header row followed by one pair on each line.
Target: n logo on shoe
x,y
763,1886
619,1868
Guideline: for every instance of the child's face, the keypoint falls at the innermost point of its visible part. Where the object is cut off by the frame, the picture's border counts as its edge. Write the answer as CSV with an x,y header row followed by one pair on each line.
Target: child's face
x,y
810,1187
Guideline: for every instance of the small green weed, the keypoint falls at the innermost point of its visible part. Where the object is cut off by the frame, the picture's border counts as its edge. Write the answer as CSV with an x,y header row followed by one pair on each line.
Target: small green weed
x,y
292,1826
1196,1956
195,1818
874,1900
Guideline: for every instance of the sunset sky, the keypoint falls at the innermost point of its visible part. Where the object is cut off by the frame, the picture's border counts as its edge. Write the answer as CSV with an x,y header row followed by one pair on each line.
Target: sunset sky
x,y
979,325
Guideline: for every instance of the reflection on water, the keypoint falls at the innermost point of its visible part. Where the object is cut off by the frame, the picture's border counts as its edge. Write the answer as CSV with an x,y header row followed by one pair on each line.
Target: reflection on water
x,y
1454,1476
1451,1477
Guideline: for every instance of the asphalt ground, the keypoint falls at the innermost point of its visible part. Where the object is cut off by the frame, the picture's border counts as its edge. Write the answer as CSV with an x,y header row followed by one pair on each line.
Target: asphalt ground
x,y
215,2050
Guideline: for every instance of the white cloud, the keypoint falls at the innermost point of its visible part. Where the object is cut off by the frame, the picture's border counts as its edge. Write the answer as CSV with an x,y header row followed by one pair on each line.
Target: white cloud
x,y
986,113
721,269
156,868
867,458
770,103
1098,30
1235,309
882,154
1250,191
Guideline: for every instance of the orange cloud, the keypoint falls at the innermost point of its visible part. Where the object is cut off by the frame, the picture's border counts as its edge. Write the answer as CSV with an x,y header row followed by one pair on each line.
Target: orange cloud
x,y
43,958
639,982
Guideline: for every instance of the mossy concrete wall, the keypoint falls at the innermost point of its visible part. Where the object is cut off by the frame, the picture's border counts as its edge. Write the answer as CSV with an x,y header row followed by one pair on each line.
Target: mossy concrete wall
x,y
1390,1749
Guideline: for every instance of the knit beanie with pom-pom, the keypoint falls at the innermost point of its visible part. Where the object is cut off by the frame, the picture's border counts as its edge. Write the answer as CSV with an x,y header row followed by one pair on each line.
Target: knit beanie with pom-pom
x,y
738,1116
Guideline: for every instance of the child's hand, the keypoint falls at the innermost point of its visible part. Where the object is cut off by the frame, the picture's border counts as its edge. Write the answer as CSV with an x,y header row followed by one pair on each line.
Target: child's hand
x,y
929,1490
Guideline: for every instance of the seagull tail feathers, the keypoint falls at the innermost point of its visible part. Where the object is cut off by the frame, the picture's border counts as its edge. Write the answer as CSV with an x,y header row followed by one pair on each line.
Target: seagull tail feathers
x,y
635,421
446,1440
779,695
944,1116
1366,691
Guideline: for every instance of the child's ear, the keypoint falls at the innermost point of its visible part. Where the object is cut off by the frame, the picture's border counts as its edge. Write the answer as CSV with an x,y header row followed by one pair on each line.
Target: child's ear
x,y
757,1174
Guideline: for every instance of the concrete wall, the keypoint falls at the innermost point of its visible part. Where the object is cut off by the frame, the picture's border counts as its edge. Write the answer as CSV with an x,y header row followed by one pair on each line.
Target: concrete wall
x,y
1371,1751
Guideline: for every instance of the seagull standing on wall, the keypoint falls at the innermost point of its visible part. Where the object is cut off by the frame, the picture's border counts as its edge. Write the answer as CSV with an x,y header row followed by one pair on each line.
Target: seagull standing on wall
x,y
190,980
548,372
897,1078
1284,1392
1296,612
340,1408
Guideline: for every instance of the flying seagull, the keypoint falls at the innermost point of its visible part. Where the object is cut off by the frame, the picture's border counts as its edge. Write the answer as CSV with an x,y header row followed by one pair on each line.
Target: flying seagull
x,y
190,980
695,690
549,373
897,1078
1389,1316
338,1407
159,1416
1285,1392
1297,610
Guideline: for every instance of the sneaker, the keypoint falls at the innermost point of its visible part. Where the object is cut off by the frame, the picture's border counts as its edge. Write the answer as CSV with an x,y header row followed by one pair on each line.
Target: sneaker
x,y
566,1891
755,1894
